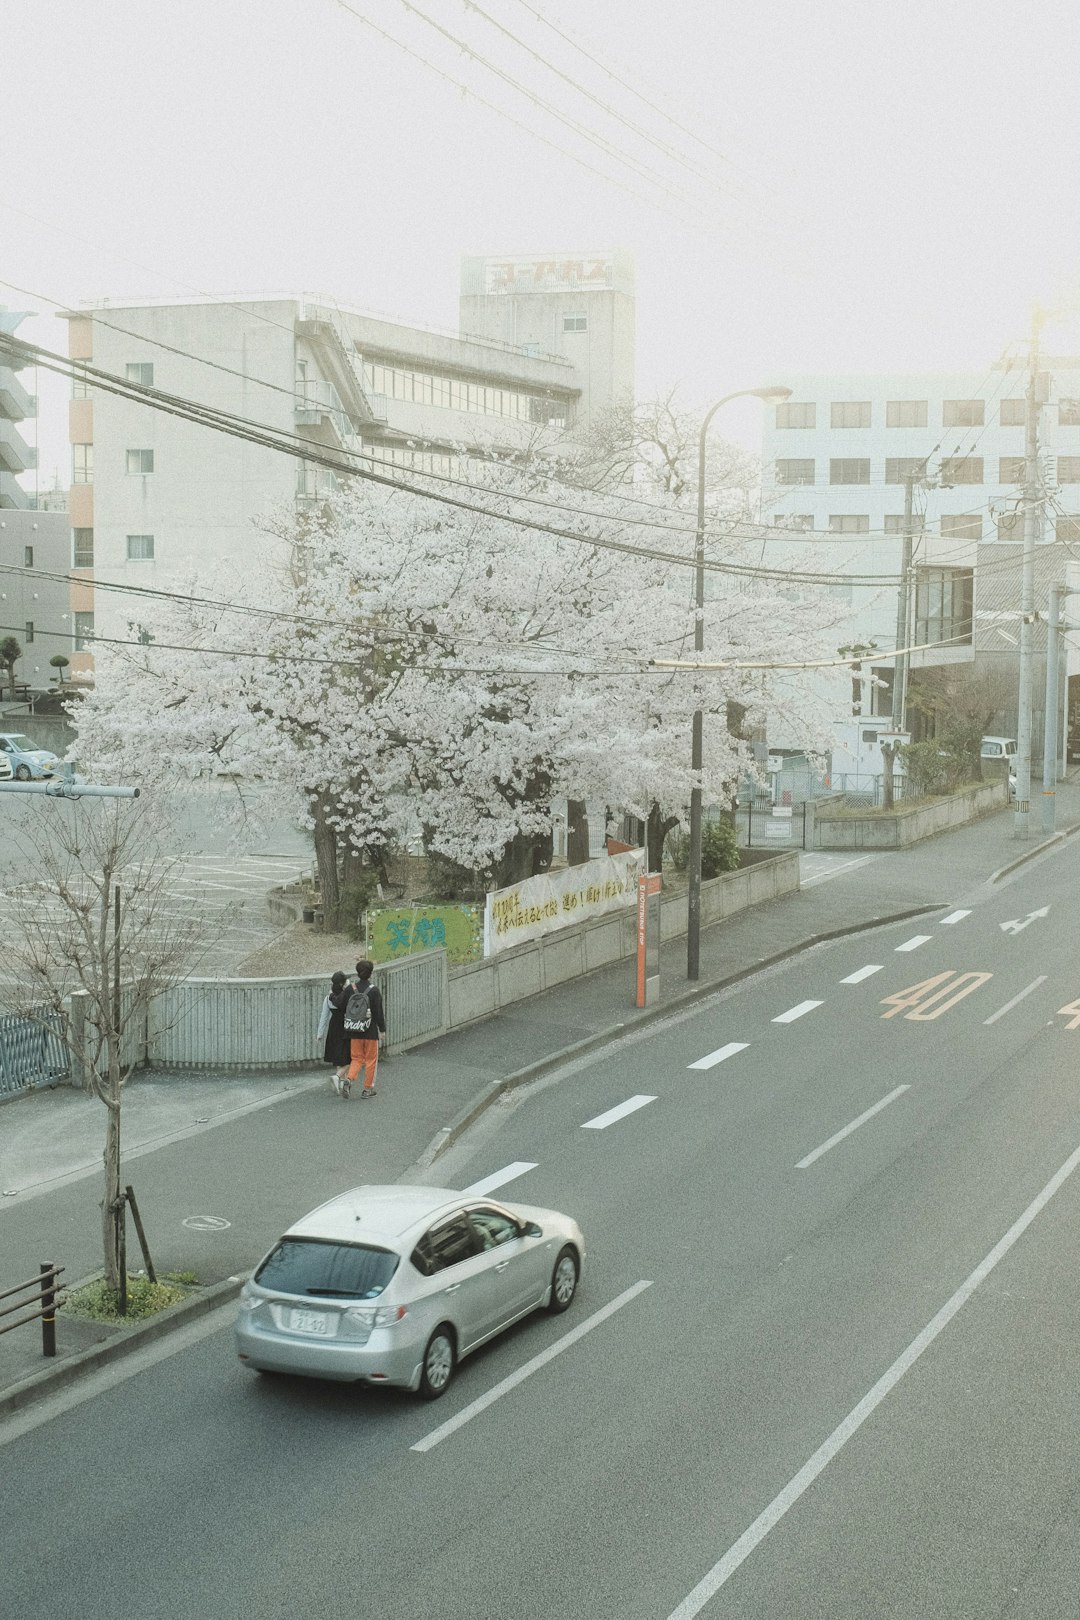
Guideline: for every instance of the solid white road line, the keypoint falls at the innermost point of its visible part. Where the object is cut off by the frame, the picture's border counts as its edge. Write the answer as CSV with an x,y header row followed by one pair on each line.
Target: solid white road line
x,y
792,1013
835,871
499,1178
484,1401
855,1123
954,917
767,1520
602,1121
1009,1005
719,1055
914,942
862,973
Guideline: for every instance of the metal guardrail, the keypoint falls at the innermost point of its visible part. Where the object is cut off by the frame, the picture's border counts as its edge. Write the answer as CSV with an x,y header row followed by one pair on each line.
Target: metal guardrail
x,y
45,1284
32,1051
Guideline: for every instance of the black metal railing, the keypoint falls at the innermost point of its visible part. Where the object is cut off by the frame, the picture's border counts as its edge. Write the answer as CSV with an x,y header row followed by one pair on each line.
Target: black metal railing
x,y
47,1292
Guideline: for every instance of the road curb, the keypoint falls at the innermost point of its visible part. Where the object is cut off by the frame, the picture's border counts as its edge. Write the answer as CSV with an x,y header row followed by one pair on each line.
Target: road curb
x,y
127,1341
479,1105
1030,854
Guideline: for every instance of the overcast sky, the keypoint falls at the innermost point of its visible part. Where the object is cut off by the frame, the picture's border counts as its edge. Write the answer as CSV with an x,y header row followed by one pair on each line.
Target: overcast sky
x,y
855,185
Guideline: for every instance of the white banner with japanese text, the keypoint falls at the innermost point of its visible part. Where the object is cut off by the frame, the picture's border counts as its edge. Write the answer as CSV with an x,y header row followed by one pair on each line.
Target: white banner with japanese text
x,y
554,900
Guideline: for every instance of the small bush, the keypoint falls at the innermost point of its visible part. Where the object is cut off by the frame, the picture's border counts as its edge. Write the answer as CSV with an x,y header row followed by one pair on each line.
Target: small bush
x,y
719,848
98,1303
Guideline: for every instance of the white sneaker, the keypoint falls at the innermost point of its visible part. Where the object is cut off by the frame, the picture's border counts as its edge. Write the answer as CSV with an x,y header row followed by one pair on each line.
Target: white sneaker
x,y
337,1084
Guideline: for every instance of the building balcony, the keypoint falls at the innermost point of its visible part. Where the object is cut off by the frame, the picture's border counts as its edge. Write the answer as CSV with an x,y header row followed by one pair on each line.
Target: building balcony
x,y
12,495
15,402
16,455
314,484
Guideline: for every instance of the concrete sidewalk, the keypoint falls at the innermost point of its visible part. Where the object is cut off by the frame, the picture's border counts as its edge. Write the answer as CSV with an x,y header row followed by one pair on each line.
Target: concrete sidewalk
x,y
221,1164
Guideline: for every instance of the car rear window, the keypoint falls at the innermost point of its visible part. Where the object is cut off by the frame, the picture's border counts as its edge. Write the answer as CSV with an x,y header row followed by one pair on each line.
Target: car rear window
x,y
331,1270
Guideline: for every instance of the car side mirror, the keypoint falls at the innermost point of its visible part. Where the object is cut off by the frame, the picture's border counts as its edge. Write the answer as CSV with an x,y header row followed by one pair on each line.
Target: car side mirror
x,y
530,1229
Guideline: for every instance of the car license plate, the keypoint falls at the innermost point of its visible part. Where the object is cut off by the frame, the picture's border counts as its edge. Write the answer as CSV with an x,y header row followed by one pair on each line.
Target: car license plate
x,y
309,1322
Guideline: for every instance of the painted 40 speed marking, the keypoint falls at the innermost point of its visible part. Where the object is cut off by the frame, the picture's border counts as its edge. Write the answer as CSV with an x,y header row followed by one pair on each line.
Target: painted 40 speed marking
x,y
928,999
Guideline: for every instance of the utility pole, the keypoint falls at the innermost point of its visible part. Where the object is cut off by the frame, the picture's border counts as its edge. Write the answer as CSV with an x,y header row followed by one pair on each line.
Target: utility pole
x,y
1032,520
903,615
1051,716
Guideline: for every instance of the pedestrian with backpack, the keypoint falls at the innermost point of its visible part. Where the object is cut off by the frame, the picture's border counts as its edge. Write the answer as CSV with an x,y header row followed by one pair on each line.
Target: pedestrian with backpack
x,y
365,1022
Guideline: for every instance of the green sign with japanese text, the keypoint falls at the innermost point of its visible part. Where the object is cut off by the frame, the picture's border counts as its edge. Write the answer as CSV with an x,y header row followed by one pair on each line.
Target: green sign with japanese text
x,y
397,931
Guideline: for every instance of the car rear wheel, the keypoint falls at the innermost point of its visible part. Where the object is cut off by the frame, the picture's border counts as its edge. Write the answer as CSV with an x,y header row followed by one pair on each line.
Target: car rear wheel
x,y
23,773
564,1281
438,1364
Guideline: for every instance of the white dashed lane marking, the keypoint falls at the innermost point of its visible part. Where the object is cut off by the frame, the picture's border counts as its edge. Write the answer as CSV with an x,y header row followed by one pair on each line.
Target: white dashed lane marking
x,y
800,1011
721,1053
862,973
1009,1005
630,1106
499,1178
914,942
954,917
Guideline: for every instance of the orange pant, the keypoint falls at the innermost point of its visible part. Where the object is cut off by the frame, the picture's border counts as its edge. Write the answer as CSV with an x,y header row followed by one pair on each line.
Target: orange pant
x,y
365,1055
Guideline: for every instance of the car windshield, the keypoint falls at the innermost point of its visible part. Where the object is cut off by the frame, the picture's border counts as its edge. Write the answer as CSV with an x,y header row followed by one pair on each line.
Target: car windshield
x,y
23,745
330,1270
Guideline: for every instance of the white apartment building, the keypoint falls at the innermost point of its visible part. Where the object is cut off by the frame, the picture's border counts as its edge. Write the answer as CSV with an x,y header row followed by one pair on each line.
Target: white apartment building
x,y
834,463
156,499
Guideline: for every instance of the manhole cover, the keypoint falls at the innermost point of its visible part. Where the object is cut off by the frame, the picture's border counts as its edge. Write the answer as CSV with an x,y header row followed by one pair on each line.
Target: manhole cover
x,y
206,1223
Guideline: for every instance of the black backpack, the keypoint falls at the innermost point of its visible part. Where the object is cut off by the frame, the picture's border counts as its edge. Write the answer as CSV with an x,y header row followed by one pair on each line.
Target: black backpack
x,y
358,1011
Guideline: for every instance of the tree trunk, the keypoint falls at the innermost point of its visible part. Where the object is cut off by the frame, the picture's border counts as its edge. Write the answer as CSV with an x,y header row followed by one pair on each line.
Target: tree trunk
x,y
889,752
326,858
577,832
111,1159
656,830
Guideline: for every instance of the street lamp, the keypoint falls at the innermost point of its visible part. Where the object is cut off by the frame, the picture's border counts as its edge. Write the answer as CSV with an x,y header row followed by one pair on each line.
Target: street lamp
x,y
771,396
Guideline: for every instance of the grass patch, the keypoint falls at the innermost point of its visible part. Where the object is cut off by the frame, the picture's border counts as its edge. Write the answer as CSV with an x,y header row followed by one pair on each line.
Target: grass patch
x,y
97,1303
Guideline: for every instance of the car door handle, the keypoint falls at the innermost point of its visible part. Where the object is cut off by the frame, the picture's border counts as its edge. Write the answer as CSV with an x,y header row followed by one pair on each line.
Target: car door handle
x,y
502,1265
451,1288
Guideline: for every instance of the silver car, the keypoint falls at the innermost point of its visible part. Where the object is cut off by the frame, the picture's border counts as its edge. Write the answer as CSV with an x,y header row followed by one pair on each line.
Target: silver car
x,y
393,1285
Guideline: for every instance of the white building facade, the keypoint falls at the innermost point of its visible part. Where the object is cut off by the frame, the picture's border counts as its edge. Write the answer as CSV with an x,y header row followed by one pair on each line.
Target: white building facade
x,y
156,499
835,460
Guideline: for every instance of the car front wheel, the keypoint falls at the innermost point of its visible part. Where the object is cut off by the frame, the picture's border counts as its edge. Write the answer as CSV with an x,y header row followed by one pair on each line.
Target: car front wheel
x,y
23,773
564,1281
438,1364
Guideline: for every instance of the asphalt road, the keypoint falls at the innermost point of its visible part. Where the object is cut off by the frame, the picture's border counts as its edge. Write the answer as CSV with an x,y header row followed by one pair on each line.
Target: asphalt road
x,y
847,1390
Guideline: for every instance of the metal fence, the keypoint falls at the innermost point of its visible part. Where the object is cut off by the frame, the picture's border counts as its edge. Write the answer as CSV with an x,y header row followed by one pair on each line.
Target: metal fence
x,y
32,1051
759,824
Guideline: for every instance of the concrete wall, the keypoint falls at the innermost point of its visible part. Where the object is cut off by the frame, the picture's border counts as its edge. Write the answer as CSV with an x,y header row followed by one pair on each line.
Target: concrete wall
x,y
908,824
481,989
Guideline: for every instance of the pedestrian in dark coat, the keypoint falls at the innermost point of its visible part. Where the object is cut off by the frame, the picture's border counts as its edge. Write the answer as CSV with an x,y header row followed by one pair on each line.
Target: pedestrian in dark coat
x,y
335,1046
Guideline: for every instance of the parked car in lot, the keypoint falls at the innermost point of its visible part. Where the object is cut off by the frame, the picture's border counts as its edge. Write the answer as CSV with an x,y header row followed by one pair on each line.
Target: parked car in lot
x,y
27,761
1003,750
6,772
394,1285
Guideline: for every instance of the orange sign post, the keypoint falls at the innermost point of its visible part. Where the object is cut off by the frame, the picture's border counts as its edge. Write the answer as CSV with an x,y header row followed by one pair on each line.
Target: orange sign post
x,y
648,939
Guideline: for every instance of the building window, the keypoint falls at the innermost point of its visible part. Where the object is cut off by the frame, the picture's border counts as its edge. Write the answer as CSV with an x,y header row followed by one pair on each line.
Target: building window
x,y
849,523
796,414
1012,413
1010,526
28,633
795,470
140,547
849,470
84,630
905,413
961,526
82,464
881,690
800,522
140,461
28,556
1068,469
80,387
575,323
961,469
1066,529
1069,412
894,523
1011,469
943,605
141,372
82,548
963,412
850,413
898,468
